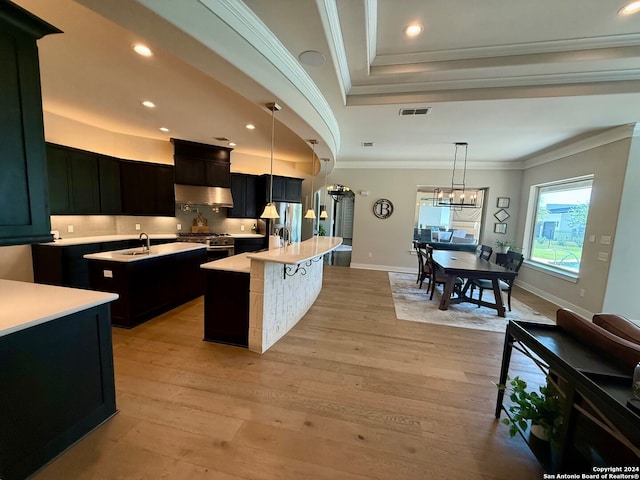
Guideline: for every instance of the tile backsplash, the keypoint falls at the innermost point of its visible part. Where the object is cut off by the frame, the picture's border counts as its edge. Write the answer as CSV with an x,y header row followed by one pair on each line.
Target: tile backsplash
x,y
93,225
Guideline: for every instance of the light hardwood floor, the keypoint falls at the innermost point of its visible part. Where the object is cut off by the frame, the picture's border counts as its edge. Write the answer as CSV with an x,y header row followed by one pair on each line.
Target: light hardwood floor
x,y
350,393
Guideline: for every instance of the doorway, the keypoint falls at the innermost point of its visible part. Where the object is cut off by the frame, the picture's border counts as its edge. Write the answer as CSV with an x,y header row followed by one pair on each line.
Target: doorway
x,y
342,226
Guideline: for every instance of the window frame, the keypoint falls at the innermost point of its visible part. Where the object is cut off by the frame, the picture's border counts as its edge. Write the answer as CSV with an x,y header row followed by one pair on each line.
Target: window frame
x,y
530,228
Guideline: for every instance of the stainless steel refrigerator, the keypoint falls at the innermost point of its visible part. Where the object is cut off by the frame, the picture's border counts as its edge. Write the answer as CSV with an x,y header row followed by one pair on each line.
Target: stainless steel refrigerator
x,y
290,217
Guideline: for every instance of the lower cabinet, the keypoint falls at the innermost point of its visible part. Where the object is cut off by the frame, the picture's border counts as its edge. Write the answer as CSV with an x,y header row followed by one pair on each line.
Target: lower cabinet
x,y
243,245
226,308
149,286
58,384
65,265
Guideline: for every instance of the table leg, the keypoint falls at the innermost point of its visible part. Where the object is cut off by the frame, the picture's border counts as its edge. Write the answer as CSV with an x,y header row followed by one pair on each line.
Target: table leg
x,y
498,294
504,370
447,291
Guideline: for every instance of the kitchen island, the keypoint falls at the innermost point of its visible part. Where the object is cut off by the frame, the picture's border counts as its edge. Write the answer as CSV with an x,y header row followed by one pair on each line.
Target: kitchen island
x,y
148,283
253,300
57,371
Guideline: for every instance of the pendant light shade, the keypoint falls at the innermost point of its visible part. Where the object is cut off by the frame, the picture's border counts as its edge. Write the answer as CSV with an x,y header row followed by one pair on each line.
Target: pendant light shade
x,y
269,210
311,213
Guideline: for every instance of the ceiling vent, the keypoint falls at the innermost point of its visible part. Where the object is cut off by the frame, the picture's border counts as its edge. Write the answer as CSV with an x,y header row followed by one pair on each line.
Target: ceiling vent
x,y
367,144
408,112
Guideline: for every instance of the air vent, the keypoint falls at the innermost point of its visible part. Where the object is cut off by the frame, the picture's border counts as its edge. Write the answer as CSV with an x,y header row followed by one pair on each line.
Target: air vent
x,y
222,139
407,112
367,144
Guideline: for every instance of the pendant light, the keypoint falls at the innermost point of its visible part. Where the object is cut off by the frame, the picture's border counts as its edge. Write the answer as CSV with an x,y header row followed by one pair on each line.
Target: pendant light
x,y
269,209
323,213
311,213
458,197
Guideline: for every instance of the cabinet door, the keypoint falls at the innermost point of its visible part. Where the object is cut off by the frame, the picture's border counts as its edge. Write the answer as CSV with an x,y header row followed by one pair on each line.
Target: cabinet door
x,y
251,191
58,180
293,190
147,189
109,174
83,180
238,191
23,183
189,170
165,197
278,189
217,173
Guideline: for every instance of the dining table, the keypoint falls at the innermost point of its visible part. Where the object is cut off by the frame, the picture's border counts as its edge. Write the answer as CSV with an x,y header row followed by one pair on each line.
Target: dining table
x,y
469,266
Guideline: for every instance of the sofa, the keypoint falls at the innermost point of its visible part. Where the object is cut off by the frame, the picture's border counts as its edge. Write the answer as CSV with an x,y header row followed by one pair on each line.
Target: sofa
x,y
613,335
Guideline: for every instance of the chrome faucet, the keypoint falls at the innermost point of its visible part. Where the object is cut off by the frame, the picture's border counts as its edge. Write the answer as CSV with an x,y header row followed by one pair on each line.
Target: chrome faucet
x,y
286,235
146,247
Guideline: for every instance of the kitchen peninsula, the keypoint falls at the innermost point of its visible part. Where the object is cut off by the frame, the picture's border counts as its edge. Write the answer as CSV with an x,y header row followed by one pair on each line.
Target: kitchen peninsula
x,y
253,300
57,371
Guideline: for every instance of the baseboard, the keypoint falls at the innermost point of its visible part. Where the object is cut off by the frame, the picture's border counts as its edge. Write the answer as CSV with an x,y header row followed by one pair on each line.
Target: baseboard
x,y
553,299
384,268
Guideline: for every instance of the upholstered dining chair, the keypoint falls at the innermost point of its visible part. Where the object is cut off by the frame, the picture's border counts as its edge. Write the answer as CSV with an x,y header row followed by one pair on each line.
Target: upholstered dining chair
x,y
485,252
513,261
435,277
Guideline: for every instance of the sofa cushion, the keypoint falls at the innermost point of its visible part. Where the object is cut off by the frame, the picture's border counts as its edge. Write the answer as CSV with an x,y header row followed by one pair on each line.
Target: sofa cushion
x,y
619,326
624,351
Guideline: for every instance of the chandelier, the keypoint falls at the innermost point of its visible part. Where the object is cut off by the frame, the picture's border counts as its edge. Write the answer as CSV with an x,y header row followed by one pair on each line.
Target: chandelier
x,y
337,191
458,196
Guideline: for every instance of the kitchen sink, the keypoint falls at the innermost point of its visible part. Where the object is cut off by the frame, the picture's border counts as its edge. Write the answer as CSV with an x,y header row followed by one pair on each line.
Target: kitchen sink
x,y
134,252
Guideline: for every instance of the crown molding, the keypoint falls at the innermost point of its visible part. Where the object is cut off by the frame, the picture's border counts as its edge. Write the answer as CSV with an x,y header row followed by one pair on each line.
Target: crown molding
x,y
371,23
581,145
422,165
331,20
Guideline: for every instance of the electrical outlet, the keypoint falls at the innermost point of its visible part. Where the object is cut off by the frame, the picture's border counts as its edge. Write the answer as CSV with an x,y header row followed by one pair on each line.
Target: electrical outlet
x,y
370,254
242,228
179,226
70,228
592,238
107,273
137,226
582,292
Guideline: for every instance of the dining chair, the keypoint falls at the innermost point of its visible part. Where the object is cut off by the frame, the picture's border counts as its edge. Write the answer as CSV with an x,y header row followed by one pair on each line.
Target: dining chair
x,y
423,268
435,277
485,252
513,261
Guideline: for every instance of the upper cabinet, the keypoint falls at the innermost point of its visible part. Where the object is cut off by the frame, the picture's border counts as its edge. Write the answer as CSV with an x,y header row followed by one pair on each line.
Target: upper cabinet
x,y
87,183
24,212
201,164
285,189
243,189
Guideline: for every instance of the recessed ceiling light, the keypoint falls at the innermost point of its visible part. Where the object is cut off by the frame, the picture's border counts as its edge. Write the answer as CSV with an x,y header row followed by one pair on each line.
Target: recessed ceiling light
x,y
311,58
413,30
630,8
148,104
142,50
164,129
250,126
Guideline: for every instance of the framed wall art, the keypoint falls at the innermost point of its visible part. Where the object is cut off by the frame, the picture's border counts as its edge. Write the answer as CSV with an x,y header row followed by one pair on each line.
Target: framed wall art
x,y
503,202
501,215
500,228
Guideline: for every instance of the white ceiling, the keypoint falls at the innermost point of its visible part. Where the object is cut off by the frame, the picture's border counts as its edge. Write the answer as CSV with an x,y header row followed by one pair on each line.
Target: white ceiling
x,y
510,77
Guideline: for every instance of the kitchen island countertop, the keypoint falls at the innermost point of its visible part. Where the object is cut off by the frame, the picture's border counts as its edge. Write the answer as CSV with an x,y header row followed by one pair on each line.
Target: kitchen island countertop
x,y
65,242
156,251
26,304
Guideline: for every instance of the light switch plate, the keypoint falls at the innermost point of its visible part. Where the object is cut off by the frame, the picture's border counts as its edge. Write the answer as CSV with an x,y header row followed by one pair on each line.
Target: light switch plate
x,y
605,239
107,273
137,226
70,228
603,256
592,238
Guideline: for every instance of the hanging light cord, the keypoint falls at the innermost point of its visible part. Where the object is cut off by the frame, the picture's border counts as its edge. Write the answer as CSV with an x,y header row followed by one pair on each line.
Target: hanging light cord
x,y
273,128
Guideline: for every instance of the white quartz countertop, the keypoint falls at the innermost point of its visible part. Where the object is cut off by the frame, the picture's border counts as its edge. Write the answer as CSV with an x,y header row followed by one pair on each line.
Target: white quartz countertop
x,y
236,263
298,252
156,251
107,238
247,235
26,304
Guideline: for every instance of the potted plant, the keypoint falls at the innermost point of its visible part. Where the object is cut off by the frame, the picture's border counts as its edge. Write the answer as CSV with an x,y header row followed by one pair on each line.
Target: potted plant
x,y
543,410
503,245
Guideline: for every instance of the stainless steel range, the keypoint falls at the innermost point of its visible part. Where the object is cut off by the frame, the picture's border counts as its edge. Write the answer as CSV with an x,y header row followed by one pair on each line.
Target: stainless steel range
x,y
219,245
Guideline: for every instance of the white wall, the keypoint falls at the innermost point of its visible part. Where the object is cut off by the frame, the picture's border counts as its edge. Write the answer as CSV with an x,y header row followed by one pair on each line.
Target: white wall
x,y
388,241
625,261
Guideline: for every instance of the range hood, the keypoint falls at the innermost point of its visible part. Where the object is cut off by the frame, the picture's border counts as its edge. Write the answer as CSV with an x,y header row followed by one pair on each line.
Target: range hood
x,y
201,195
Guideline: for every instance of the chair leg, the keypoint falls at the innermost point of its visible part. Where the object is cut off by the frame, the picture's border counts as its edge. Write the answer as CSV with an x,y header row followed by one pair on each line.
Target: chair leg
x,y
432,284
509,298
480,290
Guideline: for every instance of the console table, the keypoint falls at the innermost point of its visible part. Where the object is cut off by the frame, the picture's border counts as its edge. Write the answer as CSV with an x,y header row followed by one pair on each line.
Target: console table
x,y
599,429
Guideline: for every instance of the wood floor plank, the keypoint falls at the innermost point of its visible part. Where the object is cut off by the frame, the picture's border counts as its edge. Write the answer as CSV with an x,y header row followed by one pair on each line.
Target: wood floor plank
x,y
351,393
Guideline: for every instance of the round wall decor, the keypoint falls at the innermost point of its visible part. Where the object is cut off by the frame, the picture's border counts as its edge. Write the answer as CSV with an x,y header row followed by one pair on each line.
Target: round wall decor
x,y
383,208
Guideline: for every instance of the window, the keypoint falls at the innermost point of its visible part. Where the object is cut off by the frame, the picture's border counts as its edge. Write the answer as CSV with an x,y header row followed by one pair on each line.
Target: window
x,y
559,224
433,223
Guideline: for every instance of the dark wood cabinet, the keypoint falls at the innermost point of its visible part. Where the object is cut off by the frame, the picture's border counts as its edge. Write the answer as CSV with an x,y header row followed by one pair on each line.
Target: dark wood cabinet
x,y
146,188
243,245
244,190
74,182
149,286
226,308
24,217
201,164
110,193
285,189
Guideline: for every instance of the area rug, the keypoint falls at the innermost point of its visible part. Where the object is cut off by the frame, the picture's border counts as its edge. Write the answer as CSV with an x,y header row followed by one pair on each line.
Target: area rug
x,y
413,304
